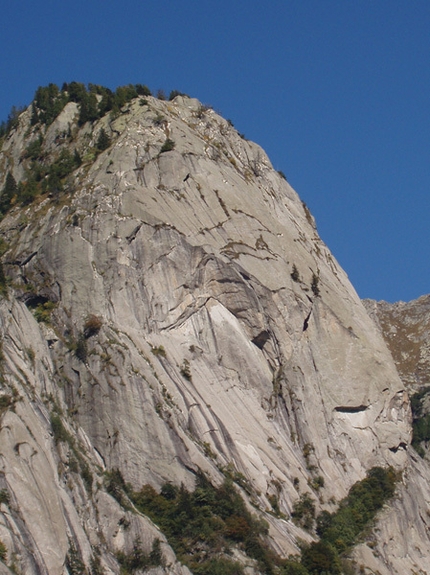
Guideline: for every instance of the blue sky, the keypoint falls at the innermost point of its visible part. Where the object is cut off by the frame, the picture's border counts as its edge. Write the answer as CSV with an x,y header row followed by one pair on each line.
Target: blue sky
x,y
336,91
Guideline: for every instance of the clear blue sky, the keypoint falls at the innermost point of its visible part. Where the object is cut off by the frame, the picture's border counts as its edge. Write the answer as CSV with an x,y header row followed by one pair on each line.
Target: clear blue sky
x,y
336,92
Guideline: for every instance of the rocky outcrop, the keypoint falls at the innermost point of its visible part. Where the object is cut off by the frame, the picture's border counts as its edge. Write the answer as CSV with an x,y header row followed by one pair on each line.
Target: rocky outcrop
x,y
406,330
192,319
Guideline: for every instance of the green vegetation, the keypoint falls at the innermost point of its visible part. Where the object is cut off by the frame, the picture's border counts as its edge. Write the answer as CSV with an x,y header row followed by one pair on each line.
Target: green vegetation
x,y
55,174
420,420
92,325
34,150
103,141
42,312
315,285
3,281
77,462
2,358
48,102
8,192
41,176
3,551
185,370
167,146
12,121
59,431
321,558
339,531
304,512
295,276
96,101
116,486
138,559
203,525
4,496
74,563
175,93
81,348
6,401
158,351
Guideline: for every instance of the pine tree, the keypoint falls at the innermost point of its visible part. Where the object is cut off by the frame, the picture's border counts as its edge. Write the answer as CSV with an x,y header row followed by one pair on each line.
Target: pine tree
x,y
314,285
89,109
103,141
9,191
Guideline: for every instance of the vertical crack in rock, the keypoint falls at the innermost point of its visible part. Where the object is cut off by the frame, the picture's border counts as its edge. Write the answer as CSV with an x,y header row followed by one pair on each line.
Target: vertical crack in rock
x,y
306,322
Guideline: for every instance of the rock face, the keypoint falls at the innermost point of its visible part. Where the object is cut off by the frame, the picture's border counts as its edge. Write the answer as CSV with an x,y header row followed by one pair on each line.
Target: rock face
x,y
192,319
406,330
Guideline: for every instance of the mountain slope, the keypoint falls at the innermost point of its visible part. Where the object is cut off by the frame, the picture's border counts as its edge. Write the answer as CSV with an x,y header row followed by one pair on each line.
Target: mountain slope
x,y
405,328
190,319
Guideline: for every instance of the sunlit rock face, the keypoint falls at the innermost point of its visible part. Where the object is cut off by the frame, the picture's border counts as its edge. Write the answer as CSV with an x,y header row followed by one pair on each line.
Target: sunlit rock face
x,y
194,320
405,327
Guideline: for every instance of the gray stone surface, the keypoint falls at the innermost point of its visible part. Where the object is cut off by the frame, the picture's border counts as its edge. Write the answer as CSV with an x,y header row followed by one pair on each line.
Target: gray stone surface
x,y
209,353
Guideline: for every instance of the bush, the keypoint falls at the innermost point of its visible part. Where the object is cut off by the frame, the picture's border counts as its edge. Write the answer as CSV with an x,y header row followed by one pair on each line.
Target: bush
x,y
3,281
92,325
321,557
6,401
64,165
81,349
317,482
59,431
12,121
358,509
175,93
43,311
304,511
293,567
116,486
421,421
28,190
74,563
185,370
158,351
48,103
3,551
143,90
295,276
8,192
167,146
34,150
138,559
219,566
314,285
89,111
4,496
201,523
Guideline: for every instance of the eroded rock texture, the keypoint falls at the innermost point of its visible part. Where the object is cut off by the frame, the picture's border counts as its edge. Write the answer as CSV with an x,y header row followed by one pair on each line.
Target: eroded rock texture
x,y
194,320
406,330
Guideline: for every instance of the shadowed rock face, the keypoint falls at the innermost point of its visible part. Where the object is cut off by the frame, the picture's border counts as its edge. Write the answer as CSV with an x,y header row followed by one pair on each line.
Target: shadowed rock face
x,y
206,355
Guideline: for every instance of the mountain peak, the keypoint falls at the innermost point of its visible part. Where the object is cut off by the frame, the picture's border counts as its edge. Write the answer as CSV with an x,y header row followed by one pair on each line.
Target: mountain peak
x,y
170,312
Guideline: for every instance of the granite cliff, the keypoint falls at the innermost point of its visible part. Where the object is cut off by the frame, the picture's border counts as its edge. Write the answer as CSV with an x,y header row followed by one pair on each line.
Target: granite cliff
x,y
170,310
